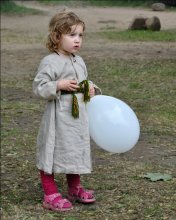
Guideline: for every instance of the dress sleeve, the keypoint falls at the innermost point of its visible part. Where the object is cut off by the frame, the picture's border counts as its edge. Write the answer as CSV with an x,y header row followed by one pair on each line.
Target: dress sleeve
x,y
97,89
45,83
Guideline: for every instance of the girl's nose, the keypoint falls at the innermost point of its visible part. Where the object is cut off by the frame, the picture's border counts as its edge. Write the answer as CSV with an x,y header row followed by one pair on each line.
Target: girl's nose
x,y
77,39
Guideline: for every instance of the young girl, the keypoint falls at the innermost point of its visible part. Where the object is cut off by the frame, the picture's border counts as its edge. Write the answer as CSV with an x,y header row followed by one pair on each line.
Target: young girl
x,y
63,140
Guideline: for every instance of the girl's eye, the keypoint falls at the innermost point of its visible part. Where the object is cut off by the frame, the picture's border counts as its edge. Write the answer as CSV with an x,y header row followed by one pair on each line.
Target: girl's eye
x,y
73,34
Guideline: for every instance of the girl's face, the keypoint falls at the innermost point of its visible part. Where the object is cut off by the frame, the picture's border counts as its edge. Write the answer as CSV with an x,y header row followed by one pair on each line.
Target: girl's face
x,y
71,42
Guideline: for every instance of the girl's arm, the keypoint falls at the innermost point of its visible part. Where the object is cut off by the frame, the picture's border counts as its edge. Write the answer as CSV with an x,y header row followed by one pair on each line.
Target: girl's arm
x,y
45,83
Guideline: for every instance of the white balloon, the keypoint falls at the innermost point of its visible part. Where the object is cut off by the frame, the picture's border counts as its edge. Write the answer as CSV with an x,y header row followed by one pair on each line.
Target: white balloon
x,y
113,125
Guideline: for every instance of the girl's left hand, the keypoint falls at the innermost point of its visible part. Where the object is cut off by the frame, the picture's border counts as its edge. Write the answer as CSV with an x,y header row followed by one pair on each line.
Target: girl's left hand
x,y
92,91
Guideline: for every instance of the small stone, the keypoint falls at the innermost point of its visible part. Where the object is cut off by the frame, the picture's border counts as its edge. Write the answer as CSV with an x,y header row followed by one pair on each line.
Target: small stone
x,y
158,7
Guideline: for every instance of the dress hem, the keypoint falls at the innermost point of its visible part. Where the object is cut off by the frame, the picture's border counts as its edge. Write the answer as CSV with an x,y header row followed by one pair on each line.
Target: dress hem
x,y
64,172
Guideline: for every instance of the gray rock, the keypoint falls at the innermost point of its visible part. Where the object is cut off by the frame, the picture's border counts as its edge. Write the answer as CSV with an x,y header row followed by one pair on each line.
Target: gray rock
x,y
153,23
158,7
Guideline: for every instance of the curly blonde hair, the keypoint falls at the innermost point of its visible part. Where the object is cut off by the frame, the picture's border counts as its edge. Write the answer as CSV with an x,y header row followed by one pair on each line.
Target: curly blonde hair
x,y
60,24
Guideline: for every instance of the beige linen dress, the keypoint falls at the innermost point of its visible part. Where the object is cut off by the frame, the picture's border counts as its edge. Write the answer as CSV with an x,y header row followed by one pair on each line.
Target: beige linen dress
x,y
63,142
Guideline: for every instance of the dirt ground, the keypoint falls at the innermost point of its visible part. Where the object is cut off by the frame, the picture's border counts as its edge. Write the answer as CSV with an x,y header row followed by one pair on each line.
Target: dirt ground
x,y
96,19
15,31
23,56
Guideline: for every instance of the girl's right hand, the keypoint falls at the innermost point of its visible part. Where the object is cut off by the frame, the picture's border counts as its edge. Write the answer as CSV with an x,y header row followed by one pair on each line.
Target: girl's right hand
x,y
68,85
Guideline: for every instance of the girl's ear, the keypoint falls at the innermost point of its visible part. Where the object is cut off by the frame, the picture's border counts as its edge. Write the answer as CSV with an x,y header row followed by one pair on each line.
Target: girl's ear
x,y
56,37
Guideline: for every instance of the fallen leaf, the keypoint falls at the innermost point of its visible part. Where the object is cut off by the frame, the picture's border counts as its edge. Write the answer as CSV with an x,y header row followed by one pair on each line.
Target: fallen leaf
x,y
158,176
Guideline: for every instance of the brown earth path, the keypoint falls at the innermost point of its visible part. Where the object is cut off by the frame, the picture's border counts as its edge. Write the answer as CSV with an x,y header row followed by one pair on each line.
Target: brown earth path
x,y
96,19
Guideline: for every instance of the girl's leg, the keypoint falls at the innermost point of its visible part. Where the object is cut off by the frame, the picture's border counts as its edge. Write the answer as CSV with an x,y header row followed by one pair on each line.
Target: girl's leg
x,y
76,192
52,198
73,180
48,183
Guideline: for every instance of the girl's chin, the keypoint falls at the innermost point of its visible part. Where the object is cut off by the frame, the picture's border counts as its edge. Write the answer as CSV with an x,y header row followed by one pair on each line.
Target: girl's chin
x,y
69,52
75,51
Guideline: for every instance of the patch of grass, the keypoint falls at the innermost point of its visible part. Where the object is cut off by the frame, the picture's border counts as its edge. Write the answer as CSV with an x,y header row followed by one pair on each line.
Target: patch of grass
x,y
21,37
154,210
119,3
148,87
134,36
104,3
9,7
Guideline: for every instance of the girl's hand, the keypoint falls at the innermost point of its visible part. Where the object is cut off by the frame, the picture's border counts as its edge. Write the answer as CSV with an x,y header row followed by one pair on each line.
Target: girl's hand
x,y
68,85
92,91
